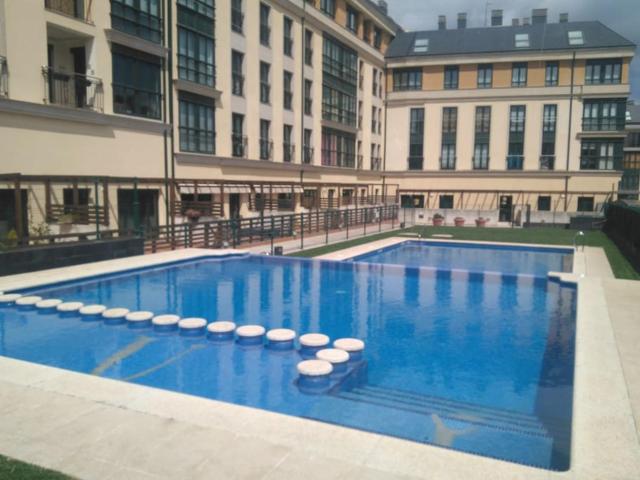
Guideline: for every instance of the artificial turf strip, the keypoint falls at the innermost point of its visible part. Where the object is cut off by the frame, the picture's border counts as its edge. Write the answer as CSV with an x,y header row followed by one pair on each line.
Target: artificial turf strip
x,y
16,470
542,235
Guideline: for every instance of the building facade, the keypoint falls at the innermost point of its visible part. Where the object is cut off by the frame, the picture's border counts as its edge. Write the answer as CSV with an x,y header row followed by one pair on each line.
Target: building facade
x,y
630,182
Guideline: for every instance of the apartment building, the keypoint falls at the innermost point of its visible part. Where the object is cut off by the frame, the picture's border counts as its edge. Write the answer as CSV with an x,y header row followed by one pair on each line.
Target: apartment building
x,y
486,119
250,107
630,183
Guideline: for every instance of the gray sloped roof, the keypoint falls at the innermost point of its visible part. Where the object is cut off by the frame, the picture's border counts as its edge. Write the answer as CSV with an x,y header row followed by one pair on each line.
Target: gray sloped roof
x,y
374,6
548,36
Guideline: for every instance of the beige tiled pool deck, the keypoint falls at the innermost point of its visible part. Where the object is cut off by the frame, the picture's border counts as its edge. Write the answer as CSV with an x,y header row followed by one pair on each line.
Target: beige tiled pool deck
x,y
96,428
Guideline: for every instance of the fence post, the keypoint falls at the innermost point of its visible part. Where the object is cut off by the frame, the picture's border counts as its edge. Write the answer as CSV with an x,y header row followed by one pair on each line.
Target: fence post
x,y
302,231
347,217
97,207
326,227
393,217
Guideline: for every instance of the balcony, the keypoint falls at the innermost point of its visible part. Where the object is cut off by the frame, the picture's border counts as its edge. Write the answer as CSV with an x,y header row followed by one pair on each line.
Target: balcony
x,y
266,149
547,162
376,163
79,9
288,150
600,163
72,90
415,163
307,155
448,163
481,163
515,162
4,78
239,145
603,124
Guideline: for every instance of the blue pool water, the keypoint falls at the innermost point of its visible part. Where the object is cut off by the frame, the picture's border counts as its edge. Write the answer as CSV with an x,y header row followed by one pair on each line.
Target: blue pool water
x,y
474,257
481,363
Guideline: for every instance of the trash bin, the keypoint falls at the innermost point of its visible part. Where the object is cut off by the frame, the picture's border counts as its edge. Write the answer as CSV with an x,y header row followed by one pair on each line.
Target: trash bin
x,y
278,251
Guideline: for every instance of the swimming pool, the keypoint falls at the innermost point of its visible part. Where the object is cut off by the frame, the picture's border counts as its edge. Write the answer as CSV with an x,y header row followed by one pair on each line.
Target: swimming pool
x,y
481,363
475,257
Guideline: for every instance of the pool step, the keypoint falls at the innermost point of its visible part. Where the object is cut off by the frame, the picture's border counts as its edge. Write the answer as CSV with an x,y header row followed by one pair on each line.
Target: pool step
x,y
447,409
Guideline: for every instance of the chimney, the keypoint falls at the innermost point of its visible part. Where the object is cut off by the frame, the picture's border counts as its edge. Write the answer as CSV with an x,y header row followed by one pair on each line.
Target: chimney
x,y
564,17
382,4
442,22
462,20
525,21
515,22
496,18
538,15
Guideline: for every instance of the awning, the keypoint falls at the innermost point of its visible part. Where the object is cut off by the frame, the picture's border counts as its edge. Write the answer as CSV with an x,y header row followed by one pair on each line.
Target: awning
x,y
280,189
237,189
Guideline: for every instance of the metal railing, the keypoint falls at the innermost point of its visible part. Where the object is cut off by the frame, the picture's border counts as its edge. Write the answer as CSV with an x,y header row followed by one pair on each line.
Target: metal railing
x,y
480,163
288,150
376,163
238,145
448,163
600,163
603,124
337,158
415,163
266,149
79,9
72,89
515,162
547,162
307,157
4,77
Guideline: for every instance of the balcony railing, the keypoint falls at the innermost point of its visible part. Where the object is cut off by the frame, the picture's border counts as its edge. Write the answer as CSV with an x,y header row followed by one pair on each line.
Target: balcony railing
x,y
79,9
4,78
266,149
307,157
415,163
237,86
288,150
601,163
72,90
239,145
547,162
515,162
448,163
237,20
481,163
603,124
376,163
337,158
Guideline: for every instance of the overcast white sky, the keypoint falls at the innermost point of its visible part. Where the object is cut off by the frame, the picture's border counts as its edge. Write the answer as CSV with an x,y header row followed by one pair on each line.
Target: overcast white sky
x,y
623,16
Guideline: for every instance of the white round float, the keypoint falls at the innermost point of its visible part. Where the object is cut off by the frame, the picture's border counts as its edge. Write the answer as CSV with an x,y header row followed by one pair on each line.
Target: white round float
x,y
48,304
9,298
192,326
281,338
314,375
221,330
353,346
28,301
337,358
250,334
92,312
69,308
139,319
311,343
115,316
164,323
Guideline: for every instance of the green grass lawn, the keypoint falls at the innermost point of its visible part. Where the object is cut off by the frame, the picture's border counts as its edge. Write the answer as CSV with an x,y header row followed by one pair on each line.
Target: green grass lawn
x,y
543,235
15,470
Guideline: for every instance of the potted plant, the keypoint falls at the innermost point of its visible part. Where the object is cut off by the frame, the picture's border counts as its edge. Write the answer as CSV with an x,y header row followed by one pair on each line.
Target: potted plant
x,y
458,222
438,220
481,222
193,214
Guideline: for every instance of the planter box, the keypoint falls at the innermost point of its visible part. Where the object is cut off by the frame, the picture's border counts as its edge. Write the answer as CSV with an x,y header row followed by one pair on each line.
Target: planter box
x,y
438,222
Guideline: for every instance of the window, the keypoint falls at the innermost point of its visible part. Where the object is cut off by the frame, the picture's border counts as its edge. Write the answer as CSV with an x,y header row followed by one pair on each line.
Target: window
x,y
633,140
308,97
601,154
379,121
237,17
195,47
265,87
519,74
416,138
377,38
308,149
339,88
485,75
544,203
288,36
575,37
551,74
380,83
482,135
352,19
445,201
141,18
522,40
548,151
585,204
136,83
238,140
407,79
374,84
328,7
265,140
72,198
288,90
308,47
265,30
360,74
515,157
360,114
197,124
603,71
374,127
451,77
338,148
421,45
287,146
449,131
604,115
237,77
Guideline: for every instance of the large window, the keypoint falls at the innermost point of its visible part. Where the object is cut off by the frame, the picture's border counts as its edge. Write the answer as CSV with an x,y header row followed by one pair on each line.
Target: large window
x,y
237,75
407,79
288,90
265,85
451,77
485,75
377,38
548,151
339,87
482,136
141,18
195,46
197,124
328,7
603,71
601,154
449,131
308,47
338,148
136,83
265,29
352,19
544,203
604,114
288,37
551,74
237,17
515,157
519,74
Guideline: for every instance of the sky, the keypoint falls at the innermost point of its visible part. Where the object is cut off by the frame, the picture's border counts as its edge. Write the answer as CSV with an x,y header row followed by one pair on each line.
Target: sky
x,y
623,16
